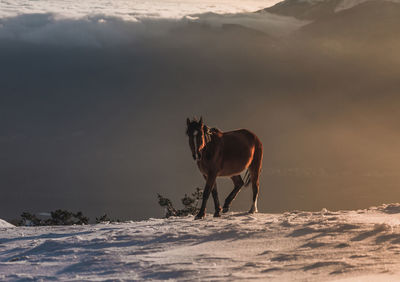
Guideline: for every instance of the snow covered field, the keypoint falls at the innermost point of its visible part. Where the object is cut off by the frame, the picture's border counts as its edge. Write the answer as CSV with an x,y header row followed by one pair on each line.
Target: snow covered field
x,y
359,245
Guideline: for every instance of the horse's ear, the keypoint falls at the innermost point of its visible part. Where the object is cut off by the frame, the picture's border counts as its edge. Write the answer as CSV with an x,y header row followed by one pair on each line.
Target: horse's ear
x,y
201,121
188,122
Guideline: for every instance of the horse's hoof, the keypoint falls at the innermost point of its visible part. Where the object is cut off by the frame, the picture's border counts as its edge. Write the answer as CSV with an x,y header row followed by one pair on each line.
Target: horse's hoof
x,y
252,211
217,214
225,210
199,216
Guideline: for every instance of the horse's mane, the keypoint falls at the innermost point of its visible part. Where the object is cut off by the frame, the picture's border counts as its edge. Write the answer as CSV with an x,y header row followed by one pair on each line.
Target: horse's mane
x,y
213,131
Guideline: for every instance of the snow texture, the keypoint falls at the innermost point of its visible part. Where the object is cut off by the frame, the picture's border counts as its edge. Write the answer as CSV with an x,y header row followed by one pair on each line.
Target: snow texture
x,y
361,245
5,224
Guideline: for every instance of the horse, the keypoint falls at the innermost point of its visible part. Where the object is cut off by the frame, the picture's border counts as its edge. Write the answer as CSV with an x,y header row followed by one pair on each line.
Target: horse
x,y
225,154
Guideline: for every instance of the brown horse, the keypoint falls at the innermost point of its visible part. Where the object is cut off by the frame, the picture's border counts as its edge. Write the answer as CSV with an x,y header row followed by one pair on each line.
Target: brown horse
x,y
225,154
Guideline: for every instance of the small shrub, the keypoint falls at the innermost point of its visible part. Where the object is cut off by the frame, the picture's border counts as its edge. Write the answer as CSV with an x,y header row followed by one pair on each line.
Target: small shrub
x,y
81,219
64,217
105,218
58,217
28,219
190,204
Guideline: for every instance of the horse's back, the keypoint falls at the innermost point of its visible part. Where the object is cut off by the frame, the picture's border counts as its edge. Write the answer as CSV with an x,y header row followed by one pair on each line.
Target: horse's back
x,y
241,136
238,150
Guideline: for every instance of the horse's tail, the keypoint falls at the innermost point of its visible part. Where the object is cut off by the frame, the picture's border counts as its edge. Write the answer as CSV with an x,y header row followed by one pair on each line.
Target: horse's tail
x,y
247,178
255,165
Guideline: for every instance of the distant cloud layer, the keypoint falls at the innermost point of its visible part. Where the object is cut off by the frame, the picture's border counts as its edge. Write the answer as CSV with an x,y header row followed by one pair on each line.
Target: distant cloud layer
x,y
105,31
133,10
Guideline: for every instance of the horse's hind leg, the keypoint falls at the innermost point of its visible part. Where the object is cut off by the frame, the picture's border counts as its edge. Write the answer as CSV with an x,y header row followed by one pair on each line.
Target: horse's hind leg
x,y
216,201
255,185
255,169
238,182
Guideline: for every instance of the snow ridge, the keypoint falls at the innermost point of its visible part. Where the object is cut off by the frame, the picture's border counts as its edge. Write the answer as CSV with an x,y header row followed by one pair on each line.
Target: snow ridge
x,y
5,224
293,246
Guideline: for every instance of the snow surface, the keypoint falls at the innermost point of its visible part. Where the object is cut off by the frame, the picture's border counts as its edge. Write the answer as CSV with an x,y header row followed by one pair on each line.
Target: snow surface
x,y
361,245
5,224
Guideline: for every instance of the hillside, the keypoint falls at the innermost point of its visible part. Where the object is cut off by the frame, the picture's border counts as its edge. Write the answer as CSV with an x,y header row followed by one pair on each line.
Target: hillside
x,y
305,10
317,9
372,20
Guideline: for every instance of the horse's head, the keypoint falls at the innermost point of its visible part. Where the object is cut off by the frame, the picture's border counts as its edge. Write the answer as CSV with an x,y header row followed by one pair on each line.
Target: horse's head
x,y
195,131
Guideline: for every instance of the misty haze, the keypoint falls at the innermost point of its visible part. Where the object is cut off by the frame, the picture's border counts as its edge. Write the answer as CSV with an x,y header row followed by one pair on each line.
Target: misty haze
x,y
93,116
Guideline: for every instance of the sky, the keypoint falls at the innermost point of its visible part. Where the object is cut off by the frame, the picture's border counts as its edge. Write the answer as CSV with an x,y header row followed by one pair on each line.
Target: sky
x,y
94,102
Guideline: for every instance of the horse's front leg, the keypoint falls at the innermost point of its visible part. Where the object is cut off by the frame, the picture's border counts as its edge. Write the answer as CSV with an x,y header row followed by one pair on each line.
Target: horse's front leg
x,y
206,193
217,206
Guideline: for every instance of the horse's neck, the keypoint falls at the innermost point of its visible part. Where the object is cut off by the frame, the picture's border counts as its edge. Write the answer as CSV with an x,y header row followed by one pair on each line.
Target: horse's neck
x,y
212,138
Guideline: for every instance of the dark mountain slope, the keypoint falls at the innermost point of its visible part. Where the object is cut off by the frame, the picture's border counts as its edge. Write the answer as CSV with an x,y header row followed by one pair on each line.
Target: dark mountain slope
x,y
372,20
305,10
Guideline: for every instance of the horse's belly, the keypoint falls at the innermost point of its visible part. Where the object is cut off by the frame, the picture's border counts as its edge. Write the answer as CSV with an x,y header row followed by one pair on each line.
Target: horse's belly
x,y
229,173
237,165
228,169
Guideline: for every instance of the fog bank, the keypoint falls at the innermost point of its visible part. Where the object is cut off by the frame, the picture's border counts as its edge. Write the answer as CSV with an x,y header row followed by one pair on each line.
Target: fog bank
x,y
93,113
